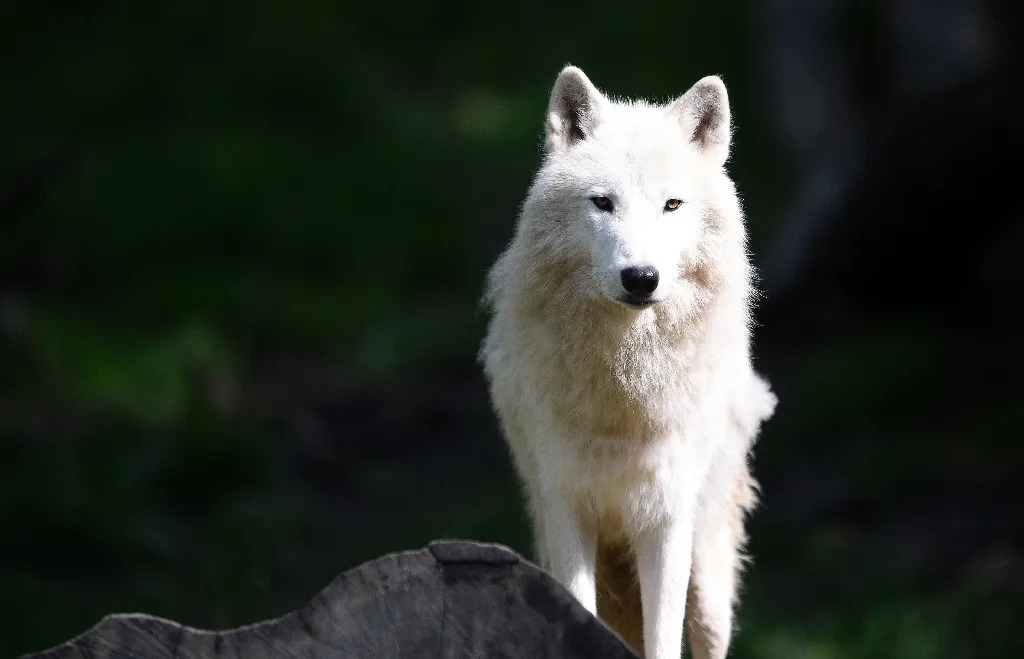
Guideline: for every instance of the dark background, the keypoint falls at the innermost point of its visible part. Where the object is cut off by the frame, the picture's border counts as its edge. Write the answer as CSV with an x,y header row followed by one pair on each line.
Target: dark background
x,y
242,245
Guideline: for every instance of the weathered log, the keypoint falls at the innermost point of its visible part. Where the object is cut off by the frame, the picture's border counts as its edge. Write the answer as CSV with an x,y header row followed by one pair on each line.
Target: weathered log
x,y
451,599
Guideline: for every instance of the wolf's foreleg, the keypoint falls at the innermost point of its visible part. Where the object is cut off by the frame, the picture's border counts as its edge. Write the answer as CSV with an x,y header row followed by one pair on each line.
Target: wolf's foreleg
x,y
663,558
570,549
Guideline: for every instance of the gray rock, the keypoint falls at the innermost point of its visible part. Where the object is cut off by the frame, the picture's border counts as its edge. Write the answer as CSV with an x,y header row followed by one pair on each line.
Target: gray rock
x,y
452,599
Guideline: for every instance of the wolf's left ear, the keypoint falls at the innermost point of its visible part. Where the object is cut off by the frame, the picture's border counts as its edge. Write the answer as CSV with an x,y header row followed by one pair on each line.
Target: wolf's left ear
x,y
703,112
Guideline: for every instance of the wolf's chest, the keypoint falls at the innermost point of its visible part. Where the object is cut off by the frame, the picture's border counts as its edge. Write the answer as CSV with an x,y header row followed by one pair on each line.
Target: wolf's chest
x,y
634,488
594,399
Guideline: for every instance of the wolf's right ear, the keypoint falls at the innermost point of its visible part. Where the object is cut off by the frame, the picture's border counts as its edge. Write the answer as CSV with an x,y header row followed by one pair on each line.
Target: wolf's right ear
x,y
573,111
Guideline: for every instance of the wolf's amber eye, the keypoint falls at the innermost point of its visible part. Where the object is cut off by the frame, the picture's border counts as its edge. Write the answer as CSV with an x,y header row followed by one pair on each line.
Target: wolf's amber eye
x,y
673,204
603,203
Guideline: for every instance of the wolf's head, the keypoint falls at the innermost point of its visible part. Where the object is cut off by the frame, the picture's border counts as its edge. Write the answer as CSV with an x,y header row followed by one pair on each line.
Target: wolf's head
x,y
636,195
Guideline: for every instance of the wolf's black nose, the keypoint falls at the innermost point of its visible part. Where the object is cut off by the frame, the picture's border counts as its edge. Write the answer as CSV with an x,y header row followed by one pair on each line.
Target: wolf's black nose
x,y
641,281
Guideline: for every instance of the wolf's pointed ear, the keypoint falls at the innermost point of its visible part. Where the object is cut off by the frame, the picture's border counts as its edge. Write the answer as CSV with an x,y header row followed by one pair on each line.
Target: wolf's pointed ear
x,y
703,112
573,111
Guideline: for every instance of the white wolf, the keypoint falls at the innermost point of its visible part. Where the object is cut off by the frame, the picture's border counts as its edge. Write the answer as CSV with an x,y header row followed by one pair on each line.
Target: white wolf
x,y
619,362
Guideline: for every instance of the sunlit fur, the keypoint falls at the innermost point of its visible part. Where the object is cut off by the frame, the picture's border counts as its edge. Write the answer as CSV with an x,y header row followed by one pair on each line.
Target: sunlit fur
x,y
630,428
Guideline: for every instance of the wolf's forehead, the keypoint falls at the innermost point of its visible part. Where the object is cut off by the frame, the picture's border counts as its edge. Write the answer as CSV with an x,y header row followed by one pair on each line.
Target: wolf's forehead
x,y
646,156
648,138
641,124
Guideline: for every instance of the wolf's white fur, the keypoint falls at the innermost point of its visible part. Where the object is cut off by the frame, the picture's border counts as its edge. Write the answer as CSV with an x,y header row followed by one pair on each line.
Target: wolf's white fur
x,y
632,425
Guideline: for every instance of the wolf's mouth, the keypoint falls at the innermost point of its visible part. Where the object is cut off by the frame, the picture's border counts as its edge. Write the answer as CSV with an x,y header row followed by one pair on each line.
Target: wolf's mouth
x,y
637,303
